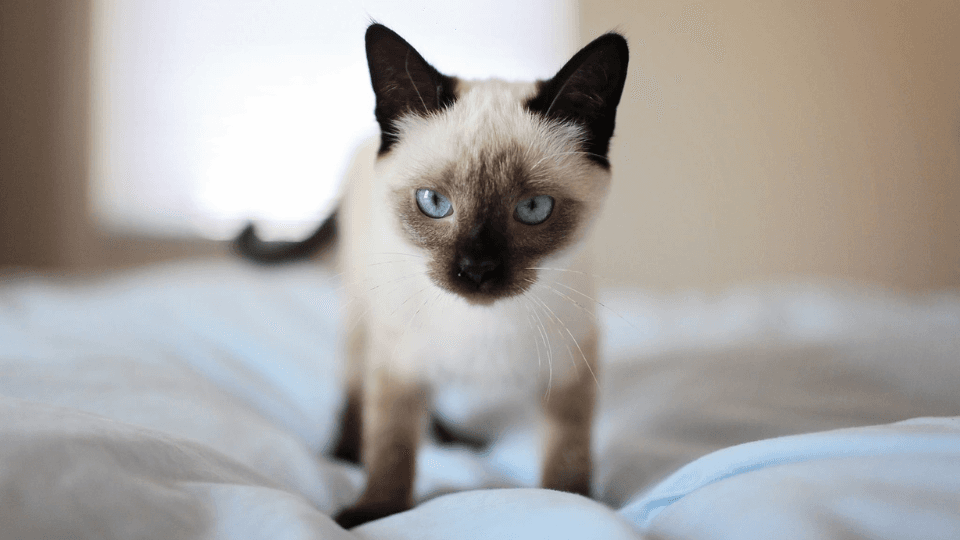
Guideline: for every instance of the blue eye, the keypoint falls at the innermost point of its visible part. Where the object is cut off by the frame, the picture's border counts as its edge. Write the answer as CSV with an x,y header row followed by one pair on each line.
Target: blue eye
x,y
535,210
433,204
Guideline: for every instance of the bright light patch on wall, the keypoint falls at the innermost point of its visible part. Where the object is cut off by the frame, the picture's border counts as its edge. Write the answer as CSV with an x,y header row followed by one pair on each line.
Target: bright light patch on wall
x,y
210,113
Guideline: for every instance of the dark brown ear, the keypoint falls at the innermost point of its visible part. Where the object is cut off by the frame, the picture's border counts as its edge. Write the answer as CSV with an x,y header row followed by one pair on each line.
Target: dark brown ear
x,y
587,91
403,82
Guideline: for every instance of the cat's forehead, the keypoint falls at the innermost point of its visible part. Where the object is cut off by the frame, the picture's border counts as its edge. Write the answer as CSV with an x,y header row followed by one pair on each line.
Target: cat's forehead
x,y
489,128
493,90
492,114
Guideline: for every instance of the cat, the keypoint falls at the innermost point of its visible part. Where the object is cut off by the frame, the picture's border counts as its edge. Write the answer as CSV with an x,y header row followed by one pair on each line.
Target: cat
x,y
461,241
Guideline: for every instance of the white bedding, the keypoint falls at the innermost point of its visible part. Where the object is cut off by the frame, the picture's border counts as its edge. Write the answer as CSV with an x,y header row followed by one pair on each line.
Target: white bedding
x,y
197,401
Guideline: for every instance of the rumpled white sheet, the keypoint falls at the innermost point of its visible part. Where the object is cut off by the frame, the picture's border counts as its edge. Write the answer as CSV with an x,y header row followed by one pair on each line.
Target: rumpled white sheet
x,y
196,400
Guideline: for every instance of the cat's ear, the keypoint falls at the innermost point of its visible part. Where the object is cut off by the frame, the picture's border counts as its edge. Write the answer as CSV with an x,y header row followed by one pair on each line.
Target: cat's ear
x,y
587,91
403,82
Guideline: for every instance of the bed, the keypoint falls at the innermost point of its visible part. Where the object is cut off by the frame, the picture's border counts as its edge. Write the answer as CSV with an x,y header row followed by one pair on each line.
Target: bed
x,y
201,400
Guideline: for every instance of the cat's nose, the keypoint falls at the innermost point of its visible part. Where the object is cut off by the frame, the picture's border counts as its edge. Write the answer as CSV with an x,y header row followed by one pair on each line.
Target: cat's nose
x,y
478,270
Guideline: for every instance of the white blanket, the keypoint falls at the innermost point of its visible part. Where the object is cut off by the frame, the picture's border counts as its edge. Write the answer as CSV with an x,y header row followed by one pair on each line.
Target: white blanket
x,y
198,400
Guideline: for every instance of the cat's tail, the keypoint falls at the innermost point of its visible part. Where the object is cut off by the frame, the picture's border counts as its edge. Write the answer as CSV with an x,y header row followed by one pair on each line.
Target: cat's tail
x,y
249,246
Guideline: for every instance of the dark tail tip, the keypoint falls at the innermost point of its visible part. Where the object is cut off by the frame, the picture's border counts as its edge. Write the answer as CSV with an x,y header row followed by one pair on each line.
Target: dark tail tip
x,y
246,239
249,246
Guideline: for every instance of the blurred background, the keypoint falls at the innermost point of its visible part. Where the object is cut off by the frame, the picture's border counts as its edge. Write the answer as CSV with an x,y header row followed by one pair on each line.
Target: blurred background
x,y
755,139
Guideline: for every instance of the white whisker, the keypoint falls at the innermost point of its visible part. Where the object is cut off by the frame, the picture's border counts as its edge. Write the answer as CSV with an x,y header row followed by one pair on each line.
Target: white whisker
x,y
398,253
367,310
546,338
410,322
585,361
407,300
528,305
577,343
587,274
381,263
406,276
594,300
571,300
554,316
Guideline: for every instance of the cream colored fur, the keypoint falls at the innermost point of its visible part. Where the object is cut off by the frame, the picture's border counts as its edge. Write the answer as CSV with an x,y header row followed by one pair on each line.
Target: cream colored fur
x,y
424,334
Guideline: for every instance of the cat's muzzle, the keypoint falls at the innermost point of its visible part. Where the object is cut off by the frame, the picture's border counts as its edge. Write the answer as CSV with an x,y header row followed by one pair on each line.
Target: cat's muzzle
x,y
479,279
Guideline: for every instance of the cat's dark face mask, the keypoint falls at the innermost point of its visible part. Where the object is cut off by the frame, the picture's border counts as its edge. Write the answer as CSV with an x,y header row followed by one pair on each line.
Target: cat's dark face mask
x,y
486,225
484,221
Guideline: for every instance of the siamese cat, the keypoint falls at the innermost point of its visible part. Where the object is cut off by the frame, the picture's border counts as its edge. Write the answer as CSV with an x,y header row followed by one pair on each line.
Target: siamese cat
x,y
461,245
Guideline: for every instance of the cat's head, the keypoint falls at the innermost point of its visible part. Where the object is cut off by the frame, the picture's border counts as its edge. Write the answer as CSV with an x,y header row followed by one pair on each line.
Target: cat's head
x,y
491,179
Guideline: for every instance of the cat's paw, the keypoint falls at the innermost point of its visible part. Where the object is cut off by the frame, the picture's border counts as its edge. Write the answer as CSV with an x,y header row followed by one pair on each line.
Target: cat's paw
x,y
361,513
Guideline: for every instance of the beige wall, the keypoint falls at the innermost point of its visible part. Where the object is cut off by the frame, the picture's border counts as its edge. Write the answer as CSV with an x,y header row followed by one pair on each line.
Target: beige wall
x,y
41,131
768,138
45,222
755,139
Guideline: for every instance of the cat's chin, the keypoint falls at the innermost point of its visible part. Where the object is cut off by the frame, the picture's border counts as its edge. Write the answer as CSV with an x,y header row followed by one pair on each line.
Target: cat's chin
x,y
486,294
484,299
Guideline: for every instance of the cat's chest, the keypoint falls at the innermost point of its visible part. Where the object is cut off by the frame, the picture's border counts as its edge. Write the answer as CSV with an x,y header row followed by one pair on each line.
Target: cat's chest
x,y
526,342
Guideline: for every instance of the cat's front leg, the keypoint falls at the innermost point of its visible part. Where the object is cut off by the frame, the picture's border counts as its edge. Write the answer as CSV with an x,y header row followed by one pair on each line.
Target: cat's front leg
x,y
393,414
348,445
568,413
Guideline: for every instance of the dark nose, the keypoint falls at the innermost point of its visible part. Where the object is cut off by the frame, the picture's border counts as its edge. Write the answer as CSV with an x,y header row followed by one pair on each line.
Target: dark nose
x,y
478,270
